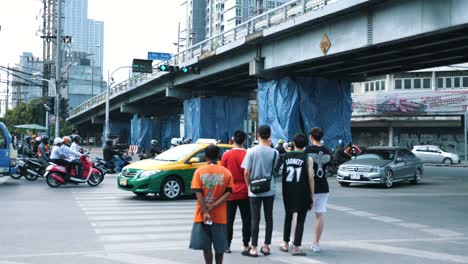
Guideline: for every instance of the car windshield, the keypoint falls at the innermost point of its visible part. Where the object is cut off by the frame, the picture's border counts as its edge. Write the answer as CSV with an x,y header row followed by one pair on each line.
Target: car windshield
x,y
381,154
177,153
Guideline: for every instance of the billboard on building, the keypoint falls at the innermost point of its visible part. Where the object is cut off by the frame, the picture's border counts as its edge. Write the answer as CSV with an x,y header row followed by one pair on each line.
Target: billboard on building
x,y
411,103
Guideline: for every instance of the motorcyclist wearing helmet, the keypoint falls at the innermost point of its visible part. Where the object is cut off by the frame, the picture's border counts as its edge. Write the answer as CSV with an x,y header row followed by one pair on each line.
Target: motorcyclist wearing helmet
x,y
75,146
26,148
36,143
176,142
43,150
280,147
154,150
56,155
71,157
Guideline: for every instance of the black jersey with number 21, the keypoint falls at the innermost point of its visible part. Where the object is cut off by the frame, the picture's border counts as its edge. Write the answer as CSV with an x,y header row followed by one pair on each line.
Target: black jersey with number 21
x,y
295,179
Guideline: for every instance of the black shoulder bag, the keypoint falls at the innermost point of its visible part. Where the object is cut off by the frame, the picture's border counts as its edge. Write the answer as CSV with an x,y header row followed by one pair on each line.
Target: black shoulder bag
x,y
262,184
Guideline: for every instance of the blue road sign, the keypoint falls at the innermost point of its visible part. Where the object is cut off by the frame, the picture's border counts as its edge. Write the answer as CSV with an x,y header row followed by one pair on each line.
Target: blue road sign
x,y
159,56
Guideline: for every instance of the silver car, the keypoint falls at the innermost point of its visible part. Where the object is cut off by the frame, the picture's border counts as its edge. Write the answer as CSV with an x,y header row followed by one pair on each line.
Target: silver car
x,y
434,154
381,165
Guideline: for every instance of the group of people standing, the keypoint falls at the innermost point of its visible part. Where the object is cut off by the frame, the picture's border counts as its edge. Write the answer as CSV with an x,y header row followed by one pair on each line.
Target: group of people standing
x,y
245,180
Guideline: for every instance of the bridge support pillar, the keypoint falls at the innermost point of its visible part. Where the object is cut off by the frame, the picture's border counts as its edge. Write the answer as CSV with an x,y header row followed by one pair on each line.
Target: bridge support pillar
x,y
292,105
215,117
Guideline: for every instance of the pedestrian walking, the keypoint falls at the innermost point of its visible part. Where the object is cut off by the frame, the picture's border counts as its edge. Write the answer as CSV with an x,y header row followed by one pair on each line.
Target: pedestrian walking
x,y
298,192
259,164
212,185
321,157
232,160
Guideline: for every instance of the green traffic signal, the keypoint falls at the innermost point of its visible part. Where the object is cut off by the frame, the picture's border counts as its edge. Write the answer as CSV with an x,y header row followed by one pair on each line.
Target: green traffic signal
x,y
163,67
185,69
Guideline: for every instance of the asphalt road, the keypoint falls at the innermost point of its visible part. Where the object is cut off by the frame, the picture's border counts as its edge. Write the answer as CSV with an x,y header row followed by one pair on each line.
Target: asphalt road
x,y
365,224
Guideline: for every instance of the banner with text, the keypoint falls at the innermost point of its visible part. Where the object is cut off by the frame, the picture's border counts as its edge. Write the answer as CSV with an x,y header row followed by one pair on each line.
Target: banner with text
x,y
411,103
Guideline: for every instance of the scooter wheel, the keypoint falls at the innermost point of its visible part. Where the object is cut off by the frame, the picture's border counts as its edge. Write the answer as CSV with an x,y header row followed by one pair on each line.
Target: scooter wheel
x,y
16,176
51,181
95,179
30,177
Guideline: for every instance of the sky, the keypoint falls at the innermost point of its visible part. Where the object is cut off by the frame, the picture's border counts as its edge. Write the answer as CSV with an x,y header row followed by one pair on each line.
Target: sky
x,y
131,29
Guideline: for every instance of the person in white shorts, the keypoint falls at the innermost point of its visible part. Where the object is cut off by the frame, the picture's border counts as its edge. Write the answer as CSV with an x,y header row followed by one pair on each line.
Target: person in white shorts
x,y
322,157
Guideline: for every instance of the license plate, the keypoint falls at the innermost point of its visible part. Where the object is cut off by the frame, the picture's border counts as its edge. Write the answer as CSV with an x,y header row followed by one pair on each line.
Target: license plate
x,y
123,181
355,177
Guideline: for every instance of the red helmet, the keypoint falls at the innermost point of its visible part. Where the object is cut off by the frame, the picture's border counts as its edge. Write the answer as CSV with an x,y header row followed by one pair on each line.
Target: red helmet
x,y
66,140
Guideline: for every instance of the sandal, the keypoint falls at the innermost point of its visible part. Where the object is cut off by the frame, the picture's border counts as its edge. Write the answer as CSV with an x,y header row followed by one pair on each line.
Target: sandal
x,y
245,251
283,249
299,253
248,254
265,253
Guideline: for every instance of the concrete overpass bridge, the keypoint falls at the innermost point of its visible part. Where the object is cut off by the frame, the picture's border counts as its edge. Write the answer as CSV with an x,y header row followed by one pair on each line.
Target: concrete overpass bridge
x,y
333,39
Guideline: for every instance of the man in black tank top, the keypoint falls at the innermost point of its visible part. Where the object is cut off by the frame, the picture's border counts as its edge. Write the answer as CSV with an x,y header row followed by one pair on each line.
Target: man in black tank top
x,y
298,190
321,157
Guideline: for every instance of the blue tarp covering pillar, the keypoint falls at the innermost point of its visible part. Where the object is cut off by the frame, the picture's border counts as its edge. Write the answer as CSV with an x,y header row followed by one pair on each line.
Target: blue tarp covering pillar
x,y
120,129
162,129
214,117
293,105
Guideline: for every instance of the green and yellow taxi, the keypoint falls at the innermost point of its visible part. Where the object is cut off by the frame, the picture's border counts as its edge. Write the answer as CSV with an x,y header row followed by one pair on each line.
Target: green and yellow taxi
x,y
169,174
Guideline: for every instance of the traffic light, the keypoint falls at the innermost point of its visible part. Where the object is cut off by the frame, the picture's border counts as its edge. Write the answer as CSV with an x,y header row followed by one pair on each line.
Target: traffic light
x,y
145,66
64,107
184,70
50,105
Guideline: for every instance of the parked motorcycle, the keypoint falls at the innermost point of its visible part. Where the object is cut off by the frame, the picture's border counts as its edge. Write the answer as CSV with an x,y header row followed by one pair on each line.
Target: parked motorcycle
x,y
20,168
56,175
34,168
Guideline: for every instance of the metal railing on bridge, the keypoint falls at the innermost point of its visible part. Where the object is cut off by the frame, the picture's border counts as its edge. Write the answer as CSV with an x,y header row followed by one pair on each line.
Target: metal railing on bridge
x,y
256,24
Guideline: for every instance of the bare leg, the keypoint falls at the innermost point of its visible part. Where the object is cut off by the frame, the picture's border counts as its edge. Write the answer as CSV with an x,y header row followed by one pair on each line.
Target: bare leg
x,y
209,257
318,226
219,258
293,227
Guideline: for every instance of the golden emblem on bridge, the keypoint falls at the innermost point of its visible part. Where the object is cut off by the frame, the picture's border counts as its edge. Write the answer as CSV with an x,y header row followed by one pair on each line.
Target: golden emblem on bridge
x,y
325,44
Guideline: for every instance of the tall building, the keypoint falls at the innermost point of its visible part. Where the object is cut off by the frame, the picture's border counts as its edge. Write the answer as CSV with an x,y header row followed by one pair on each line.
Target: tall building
x,y
202,19
87,34
84,56
83,79
23,86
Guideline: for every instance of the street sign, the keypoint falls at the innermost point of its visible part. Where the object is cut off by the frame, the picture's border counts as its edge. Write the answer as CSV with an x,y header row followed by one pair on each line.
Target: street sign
x,y
159,56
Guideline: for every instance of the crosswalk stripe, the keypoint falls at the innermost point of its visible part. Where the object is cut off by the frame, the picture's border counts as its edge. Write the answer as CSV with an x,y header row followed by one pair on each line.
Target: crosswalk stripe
x,y
79,198
119,234
140,217
181,244
147,223
91,195
158,210
385,219
361,213
132,258
441,232
98,203
135,208
140,223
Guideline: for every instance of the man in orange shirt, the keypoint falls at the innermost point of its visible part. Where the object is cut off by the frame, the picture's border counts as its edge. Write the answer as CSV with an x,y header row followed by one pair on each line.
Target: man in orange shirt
x,y
212,185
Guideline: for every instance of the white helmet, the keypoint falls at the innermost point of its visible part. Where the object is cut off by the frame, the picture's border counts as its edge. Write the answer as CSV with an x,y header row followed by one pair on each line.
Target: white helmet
x,y
58,140
176,142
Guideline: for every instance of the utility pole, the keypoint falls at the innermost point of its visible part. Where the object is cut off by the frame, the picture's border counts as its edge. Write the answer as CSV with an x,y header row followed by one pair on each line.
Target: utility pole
x,y
8,88
58,68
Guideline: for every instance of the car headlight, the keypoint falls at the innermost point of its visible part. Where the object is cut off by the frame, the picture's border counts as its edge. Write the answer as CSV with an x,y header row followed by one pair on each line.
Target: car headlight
x,y
341,168
374,169
146,174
